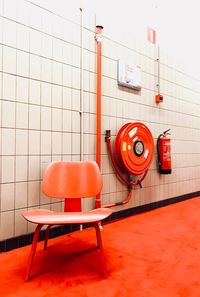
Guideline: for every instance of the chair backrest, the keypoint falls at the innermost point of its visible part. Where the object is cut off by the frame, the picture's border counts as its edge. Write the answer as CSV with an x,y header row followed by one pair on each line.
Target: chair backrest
x,y
72,180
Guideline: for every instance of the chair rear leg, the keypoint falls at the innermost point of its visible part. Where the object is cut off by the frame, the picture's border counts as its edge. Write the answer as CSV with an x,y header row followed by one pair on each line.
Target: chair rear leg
x,y
100,245
46,237
33,250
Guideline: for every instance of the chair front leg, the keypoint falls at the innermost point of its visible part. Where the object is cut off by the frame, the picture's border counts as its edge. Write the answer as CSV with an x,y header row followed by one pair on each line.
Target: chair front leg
x,y
33,250
100,245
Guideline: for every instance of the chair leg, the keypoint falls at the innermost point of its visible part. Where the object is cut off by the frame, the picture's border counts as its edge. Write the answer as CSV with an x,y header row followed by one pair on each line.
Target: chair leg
x,y
46,237
33,250
100,245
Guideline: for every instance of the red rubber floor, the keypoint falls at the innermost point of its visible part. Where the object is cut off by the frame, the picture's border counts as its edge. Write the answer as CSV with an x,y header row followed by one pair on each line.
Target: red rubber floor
x,y
153,254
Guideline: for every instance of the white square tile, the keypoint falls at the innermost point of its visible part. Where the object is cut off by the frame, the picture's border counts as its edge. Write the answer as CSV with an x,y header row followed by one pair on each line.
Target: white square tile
x,y
56,119
21,142
9,33
10,9
56,96
44,199
21,194
67,53
1,52
34,117
46,71
68,33
56,73
35,67
21,225
92,144
45,118
46,143
8,141
57,25
7,197
76,34
75,144
76,99
1,91
9,87
21,171
57,50
1,7
76,56
86,81
76,78
8,169
8,114
34,168
67,121
23,12
46,94
22,37
67,75
46,206
75,122
21,115
56,143
67,143
56,207
6,230
22,89
86,121
35,42
86,102
46,50
34,92
67,98
35,17
34,142
33,193
45,161
47,21
23,63
9,60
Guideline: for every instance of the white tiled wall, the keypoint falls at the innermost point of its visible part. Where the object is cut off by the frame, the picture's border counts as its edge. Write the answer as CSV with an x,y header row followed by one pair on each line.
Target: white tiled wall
x,y
40,81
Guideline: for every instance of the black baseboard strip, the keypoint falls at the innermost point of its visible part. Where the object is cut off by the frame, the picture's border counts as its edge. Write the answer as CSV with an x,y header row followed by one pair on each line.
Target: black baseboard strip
x,y
23,240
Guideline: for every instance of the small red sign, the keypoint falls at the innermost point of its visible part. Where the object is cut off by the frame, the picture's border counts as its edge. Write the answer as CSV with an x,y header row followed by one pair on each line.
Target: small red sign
x,y
151,35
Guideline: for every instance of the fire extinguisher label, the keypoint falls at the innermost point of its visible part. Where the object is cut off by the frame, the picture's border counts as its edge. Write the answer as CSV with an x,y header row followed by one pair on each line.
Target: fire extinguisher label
x,y
132,132
124,145
167,152
146,153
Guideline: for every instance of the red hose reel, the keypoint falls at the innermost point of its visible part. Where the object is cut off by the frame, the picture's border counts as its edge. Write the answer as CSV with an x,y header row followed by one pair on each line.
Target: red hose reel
x,y
134,148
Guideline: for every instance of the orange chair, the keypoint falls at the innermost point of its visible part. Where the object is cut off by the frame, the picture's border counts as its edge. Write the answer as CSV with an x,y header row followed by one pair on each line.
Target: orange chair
x,y
68,180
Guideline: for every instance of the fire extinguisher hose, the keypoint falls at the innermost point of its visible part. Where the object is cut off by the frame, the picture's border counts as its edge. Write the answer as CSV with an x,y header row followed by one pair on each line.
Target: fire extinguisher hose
x,y
158,151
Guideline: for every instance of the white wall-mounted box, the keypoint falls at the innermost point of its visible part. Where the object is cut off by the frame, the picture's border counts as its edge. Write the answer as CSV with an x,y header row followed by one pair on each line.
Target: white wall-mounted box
x,y
129,75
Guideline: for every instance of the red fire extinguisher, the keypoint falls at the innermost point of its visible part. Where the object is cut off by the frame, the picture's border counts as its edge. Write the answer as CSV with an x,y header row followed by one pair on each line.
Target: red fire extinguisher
x,y
164,153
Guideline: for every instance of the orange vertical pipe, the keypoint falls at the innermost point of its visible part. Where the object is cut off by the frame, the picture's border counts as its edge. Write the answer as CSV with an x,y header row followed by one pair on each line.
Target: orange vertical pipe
x,y
98,106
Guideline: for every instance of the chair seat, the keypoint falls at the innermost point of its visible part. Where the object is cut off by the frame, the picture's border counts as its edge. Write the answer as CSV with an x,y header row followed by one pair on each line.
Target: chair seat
x,y
48,217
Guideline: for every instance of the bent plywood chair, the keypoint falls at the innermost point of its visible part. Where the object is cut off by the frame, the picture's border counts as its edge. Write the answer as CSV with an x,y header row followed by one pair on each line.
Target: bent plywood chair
x,y
68,180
